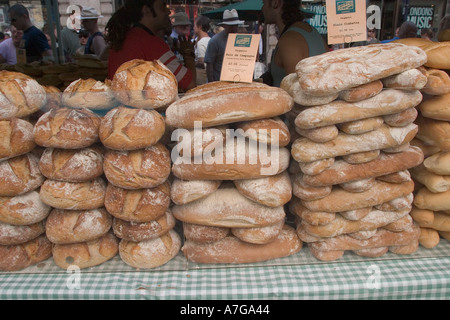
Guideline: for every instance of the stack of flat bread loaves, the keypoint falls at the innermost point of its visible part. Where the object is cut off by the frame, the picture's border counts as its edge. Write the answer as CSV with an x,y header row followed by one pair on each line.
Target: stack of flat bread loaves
x,y
78,225
230,173
22,213
352,187
137,167
431,208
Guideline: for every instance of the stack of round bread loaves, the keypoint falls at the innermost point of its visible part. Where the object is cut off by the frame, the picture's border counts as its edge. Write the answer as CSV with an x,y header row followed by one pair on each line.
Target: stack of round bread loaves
x,y
230,179
431,208
78,225
351,182
22,213
137,167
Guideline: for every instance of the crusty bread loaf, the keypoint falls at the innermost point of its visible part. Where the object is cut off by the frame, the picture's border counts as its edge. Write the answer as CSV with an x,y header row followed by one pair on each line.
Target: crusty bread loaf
x,y
426,199
137,169
20,175
438,82
221,103
185,191
343,171
436,107
259,235
319,134
20,256
141,231
20,95
361,157
323,74
434,182
70,226
234,161
402,118
314,218
440,221
151,253
16,234
125,128
358,185
141,205
305,150
426,148
340,200
316,166
292,86
429,238
362,92
361,125
412,79
144,84
272,191
88,93
434,132
438,163
226,207
16,138
74,195
386,102
67,128
232,250
302,190
86,254
202,233
73,165
270,131
23,209
437,55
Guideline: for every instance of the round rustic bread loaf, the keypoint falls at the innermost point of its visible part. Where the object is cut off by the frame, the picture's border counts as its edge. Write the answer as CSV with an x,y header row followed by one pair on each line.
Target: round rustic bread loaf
x,y
20,256
144,84
71,226
16,138
125,128
137,169
89,93
74,195
141,231
150,253
140,205
23,209
72,165
20,175
13,234
185,191
67,128
20,95
86,254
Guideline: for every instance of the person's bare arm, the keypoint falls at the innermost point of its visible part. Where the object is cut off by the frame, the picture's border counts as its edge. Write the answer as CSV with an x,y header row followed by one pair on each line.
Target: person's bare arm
x,y
292,48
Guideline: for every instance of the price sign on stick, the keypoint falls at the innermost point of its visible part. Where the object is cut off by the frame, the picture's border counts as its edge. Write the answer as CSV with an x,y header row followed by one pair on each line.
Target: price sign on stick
x,y
240,57
346,21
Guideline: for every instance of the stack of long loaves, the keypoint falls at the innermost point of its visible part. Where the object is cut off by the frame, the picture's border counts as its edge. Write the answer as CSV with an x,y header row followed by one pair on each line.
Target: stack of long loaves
x,y
22,213
137,164
355,117
432,200
230,173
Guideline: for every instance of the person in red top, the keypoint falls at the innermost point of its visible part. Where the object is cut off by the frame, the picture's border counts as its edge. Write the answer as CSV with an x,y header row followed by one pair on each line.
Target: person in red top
x,y
135,32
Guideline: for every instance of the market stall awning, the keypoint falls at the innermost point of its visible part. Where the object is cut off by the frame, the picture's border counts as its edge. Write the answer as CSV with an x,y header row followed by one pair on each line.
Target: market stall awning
x,y
248,10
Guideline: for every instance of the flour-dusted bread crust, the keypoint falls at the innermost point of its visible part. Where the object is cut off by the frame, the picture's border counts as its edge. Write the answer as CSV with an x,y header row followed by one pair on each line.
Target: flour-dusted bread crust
x,y
436,107
268,131
202,233
73,165
437,52
151,253
412,79
438,82
67,128
16,138
219,103
226,207
233,250
20,175
140,205
16,234
20,95
439,163
137,169
433,132
144,84
20,256
86,254
388,101
71,226
185,191
125,128
88,93
259,235
323,74
23,209
362,92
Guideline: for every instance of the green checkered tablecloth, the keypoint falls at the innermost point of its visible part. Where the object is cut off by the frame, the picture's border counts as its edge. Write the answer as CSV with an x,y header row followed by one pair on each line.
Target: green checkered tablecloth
x,y
422,275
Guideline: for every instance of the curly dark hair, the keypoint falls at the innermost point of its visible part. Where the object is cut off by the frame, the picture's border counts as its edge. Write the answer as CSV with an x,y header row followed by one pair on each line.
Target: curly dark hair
x,y
123,20
291,12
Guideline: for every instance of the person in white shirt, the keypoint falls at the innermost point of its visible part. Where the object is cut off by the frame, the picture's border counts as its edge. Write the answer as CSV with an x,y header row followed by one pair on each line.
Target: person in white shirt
x,y
201,28
8,47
